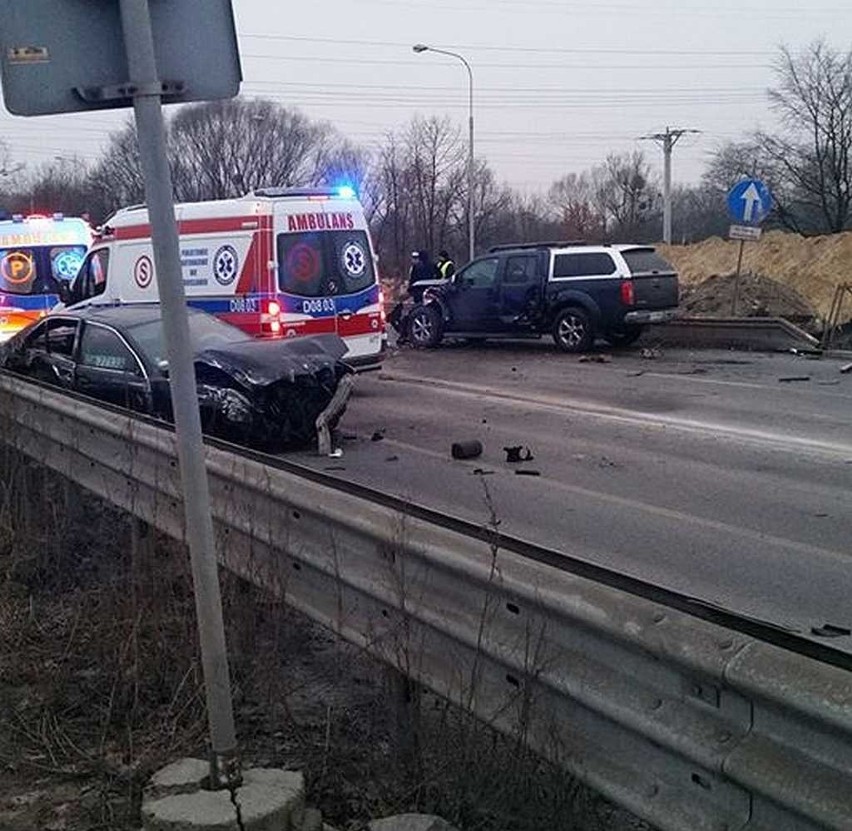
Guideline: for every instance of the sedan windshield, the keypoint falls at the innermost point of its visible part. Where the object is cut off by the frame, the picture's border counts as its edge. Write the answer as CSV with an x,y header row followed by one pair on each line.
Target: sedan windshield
x,y
205,332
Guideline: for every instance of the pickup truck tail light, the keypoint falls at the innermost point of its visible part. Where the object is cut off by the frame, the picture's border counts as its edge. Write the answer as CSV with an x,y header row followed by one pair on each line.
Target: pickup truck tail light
x,y
627,297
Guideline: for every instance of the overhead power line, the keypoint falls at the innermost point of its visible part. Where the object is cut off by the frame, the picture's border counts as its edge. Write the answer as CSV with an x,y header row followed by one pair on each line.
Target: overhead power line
x,y
491,48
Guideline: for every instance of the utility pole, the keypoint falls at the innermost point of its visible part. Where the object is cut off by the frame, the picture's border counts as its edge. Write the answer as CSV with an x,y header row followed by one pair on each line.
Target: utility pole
x,y
667,141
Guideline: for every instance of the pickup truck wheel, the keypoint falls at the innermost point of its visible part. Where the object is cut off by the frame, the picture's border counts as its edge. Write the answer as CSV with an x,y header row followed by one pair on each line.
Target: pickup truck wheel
x,y
626,336
425,327
572,330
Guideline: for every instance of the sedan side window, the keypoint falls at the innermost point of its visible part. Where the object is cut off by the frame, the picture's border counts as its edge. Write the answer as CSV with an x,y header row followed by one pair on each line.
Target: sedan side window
x,y
481,274
102,348
37,339
61,335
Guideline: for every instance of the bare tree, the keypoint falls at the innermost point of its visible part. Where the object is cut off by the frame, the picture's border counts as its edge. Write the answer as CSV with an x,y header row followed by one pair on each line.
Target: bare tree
x,y
417,188
813,154
117,177
435,176
624,192
573,197
228,148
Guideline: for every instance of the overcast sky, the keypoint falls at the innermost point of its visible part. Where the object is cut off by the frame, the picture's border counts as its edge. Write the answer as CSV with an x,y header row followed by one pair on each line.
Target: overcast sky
x,y
558,83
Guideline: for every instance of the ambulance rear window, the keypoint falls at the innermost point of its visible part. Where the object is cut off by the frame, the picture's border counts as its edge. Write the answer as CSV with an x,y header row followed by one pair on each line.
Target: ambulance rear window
x,y
324,263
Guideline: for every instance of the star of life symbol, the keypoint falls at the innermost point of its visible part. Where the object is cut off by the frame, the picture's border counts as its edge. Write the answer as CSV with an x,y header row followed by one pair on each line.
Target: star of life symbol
x,y
354,259
225,264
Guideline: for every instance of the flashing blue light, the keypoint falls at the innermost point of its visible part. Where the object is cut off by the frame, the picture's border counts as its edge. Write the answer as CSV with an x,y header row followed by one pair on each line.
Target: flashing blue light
x,y
346,191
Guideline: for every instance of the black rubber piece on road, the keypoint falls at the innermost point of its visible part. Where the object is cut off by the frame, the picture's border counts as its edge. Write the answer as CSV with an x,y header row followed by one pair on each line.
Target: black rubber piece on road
x,y
466,449
518,453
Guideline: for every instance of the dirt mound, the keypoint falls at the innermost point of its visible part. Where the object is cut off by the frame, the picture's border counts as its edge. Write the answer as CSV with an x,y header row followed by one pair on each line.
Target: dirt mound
x,y
812,267
757,296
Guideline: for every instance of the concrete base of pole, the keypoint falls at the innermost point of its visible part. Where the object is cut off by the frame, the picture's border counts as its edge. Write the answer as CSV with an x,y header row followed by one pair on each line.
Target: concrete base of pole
x,y
267,800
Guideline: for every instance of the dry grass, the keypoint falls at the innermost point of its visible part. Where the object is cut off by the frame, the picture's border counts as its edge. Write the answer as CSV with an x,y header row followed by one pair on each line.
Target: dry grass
x,y
100,685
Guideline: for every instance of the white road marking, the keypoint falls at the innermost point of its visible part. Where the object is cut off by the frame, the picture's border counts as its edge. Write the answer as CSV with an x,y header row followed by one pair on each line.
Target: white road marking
x,y
763,438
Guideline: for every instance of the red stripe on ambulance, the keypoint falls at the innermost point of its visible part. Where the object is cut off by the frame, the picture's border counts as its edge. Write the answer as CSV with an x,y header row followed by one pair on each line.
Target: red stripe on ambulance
x,y
186,227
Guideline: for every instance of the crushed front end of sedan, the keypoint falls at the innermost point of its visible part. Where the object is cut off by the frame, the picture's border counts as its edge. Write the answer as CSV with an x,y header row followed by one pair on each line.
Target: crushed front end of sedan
x,y
269,394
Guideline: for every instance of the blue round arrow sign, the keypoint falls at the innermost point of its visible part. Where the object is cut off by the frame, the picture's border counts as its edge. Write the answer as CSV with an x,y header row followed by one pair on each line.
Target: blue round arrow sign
x,y
749,202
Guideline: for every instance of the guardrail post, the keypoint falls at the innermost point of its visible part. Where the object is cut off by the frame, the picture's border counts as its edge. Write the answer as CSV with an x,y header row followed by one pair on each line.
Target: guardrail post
x,y
405,708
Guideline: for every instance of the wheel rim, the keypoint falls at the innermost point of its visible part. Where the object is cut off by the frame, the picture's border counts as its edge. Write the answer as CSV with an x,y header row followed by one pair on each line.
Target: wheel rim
x,y
421,328
571,330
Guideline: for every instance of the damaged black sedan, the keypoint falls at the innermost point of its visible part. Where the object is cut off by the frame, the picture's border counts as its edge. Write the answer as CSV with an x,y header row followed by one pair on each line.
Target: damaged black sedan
x,y
266,393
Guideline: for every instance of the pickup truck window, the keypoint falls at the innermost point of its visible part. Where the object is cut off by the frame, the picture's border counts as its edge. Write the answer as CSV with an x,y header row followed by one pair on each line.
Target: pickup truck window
x,y
520,271
582,265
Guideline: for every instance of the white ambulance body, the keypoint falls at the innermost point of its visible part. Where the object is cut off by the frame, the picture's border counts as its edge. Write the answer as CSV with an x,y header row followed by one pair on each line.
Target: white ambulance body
x,y
276,263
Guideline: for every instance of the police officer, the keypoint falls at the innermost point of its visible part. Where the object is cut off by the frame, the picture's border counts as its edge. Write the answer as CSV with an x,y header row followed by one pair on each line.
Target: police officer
x,y
446,267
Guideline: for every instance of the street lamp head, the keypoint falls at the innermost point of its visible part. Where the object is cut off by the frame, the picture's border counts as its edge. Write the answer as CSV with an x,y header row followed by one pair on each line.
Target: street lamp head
x,y
420,47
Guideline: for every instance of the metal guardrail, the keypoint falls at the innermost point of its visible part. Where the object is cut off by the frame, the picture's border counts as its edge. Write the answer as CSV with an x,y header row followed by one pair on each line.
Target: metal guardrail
x,y
755,333
688,724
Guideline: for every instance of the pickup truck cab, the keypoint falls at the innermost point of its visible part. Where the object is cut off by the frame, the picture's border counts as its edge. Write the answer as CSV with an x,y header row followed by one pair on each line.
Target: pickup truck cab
x,y
573,292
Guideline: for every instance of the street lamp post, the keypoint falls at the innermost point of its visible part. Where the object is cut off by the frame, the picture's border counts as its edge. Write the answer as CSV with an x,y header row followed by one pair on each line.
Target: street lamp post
x,y
422,47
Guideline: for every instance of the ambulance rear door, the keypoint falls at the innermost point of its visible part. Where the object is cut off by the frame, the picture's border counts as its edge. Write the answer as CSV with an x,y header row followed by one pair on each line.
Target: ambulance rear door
x,y
327,274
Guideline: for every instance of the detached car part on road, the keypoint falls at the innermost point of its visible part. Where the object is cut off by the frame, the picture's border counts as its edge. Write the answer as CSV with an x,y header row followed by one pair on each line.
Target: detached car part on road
x,y
263,393
573,292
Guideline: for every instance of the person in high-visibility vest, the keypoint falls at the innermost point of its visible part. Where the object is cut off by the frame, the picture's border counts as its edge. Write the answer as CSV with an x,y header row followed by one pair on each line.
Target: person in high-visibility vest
x,y
446,267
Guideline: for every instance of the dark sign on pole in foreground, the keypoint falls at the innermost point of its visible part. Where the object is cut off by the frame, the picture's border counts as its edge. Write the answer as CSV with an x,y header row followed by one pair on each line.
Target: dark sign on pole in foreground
x,y
81,55
69,56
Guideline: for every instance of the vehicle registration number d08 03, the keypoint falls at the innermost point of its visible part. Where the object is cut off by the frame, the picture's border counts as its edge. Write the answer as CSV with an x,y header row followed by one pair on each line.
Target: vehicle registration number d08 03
x,y
245,304
318,306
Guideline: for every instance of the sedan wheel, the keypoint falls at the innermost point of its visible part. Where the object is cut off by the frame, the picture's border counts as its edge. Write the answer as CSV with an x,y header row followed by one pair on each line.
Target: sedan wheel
x,y
572,330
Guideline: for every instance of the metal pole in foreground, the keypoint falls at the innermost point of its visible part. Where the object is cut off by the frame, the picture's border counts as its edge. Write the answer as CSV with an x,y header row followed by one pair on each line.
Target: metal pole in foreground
x,y
147,104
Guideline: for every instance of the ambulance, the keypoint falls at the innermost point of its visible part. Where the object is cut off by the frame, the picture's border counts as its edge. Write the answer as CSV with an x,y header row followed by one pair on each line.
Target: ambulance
x,y
278,263
39,256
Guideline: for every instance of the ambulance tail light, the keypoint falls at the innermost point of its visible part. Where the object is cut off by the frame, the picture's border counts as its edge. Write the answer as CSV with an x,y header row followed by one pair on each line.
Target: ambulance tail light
x,y
271,319
627,296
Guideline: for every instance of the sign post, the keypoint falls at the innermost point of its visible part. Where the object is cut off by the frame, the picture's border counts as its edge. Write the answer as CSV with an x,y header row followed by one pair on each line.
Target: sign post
x,y
47,68
749,203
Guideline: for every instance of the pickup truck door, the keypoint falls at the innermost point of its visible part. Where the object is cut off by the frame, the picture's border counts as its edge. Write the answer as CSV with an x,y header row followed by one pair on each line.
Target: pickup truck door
x,y
473,297
521,286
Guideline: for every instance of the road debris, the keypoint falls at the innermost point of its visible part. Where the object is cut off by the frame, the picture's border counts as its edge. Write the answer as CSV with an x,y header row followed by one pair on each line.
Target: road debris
x,y
481,471
805,352
527,472
636,374
650,353
595,359
466,449
337,453
518,453
829,630
846,368
392,459
790,378
378,435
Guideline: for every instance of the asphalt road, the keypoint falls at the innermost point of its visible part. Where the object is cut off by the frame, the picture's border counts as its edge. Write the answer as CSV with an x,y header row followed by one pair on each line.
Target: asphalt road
x,y
715,474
